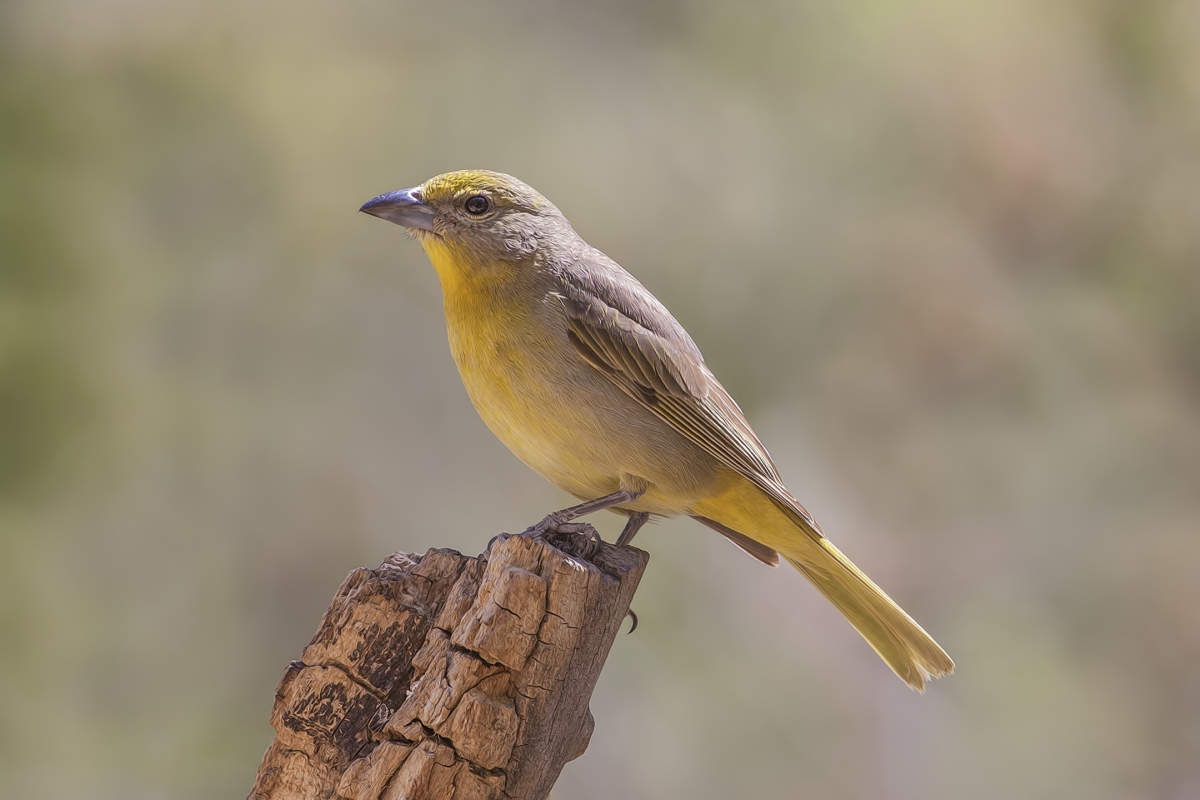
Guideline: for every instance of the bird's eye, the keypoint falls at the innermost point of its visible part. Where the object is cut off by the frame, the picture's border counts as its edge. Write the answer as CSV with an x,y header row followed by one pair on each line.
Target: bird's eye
x,y
477,205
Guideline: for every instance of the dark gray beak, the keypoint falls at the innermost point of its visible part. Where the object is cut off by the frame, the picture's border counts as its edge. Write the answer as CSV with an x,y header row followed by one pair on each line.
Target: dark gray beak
x,y
403,208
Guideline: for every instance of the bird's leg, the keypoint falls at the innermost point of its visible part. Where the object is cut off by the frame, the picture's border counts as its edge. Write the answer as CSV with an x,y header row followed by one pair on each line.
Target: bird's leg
x,y
635,523
558,519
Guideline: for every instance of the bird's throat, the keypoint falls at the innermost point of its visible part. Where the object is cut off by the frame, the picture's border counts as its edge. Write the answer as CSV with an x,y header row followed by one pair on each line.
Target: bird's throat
x,y
462,269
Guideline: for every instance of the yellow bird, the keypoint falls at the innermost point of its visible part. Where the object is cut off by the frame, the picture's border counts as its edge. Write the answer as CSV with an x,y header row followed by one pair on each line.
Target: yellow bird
x,y
590,381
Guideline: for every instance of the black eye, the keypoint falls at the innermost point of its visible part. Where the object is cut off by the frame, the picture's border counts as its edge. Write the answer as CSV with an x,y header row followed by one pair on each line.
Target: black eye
x,y
477,204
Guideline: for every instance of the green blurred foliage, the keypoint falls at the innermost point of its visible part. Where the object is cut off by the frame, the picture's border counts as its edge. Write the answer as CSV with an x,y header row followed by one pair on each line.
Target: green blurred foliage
x,y
947,255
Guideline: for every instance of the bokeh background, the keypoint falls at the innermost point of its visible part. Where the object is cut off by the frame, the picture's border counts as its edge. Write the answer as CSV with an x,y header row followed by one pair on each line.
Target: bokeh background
x,y
946,254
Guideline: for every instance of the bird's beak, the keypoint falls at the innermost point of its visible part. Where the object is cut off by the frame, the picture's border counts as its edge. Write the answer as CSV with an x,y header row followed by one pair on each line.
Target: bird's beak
x,y
403,208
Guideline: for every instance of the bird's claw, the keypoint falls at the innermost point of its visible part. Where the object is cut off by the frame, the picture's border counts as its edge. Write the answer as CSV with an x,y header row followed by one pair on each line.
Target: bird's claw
x,y
555,523
586,530
551,522
633,616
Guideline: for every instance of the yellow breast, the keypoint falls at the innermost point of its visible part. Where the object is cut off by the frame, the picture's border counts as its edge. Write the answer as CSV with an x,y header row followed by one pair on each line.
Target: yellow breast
x,y
509,371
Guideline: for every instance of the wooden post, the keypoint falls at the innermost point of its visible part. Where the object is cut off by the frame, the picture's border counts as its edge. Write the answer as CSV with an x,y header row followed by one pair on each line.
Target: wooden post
x,y
447,677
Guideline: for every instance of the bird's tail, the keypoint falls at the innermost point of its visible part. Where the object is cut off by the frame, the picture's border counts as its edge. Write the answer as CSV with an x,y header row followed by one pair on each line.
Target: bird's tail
x,y
896,637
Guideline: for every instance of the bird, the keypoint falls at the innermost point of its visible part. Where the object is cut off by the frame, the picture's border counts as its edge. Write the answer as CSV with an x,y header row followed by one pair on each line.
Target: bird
x,y
589,380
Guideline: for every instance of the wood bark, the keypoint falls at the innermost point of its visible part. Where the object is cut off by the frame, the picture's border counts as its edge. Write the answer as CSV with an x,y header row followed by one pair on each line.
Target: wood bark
x,y
445,676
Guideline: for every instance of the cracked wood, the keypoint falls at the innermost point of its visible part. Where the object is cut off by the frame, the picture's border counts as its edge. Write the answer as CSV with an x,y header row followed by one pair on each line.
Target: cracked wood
x,y
444,677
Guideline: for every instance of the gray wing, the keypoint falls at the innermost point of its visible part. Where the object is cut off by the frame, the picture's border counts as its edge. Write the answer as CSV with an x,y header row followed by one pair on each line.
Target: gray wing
x,y
619,328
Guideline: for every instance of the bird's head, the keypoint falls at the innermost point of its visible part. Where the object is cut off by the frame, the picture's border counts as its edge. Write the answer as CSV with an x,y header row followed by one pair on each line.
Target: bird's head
x,y
484,215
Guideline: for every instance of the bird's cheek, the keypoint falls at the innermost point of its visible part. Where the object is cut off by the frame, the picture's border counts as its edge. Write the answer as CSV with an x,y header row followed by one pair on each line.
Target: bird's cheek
x,y
520,245
518,239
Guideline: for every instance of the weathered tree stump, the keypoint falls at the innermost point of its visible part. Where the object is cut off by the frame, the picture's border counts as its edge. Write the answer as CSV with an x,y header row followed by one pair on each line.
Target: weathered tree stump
x,y
444,676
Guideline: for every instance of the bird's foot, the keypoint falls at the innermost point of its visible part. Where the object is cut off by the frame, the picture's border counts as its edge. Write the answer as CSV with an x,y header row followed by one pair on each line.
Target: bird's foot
x,y
556,524
584,529
588,548
633,616
561,521
552,522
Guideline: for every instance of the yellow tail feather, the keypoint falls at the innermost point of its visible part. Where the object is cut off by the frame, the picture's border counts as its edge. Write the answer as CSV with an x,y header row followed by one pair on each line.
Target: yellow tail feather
x,y
745,509
897,638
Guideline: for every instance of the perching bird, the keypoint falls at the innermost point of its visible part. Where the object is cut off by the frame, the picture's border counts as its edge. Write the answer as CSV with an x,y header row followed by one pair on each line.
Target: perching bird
x,y
590,381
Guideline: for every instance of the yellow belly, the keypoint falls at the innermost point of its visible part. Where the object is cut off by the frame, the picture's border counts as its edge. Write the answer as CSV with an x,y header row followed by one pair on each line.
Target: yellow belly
x,y
525,412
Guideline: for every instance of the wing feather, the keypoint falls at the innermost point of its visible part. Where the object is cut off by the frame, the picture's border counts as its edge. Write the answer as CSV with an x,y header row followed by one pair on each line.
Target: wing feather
x,y
672,382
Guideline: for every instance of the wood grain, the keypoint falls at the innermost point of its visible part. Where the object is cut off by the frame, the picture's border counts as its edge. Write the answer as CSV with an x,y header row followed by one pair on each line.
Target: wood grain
x,y
446,677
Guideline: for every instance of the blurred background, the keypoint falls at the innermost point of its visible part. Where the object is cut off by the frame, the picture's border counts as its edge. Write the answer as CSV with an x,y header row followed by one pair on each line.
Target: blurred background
x,y
946,255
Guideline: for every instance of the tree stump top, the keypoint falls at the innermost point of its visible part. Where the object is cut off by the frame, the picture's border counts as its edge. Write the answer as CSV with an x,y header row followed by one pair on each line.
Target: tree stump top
x,y
445,676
